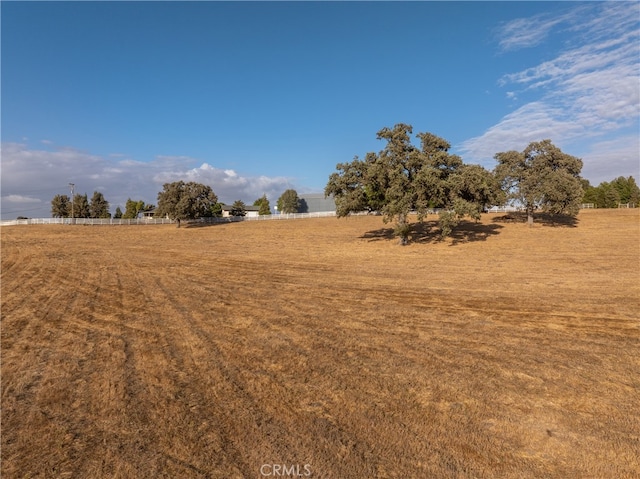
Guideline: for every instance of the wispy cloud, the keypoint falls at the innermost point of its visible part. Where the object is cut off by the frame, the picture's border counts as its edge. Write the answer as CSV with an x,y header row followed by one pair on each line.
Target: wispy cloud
x,y
527,32
21,199
589,90
31,177
619,155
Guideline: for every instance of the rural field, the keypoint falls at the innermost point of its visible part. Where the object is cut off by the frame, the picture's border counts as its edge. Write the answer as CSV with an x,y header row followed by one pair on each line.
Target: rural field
x,y
321,348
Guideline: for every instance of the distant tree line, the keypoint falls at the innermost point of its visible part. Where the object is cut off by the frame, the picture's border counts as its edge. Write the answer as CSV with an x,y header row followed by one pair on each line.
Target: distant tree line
x,y
80,207
402,179
610,194
178,200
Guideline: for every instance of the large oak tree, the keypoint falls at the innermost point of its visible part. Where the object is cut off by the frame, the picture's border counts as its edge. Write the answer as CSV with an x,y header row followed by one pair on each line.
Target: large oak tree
x,y
541,177
402,178
185,201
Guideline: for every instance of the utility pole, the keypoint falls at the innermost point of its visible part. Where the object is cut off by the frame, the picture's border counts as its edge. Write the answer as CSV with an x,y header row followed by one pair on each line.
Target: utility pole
x,y
71,185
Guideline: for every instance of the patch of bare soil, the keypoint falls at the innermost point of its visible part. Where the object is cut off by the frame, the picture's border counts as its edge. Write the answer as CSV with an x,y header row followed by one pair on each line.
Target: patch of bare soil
x,y
322,347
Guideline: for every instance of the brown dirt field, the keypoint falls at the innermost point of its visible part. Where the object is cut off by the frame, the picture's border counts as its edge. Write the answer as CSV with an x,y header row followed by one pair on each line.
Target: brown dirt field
x,y
152,351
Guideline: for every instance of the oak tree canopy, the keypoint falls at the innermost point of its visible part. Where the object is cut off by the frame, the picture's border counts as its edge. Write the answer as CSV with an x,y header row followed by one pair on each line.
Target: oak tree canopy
x,y
403,178
185,201
541,177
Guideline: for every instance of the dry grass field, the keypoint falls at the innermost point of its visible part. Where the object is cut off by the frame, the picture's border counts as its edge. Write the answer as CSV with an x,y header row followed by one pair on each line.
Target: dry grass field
x,y
229,351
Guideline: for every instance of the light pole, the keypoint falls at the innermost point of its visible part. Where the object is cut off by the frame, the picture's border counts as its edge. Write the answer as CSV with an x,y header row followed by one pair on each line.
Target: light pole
x,y
71,185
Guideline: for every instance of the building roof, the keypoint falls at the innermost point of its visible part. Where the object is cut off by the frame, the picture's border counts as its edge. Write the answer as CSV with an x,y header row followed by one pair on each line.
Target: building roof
x,y
246,208
314,196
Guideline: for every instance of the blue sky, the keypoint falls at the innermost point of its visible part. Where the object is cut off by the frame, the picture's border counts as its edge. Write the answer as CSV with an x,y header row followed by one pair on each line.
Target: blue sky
x,y
253,98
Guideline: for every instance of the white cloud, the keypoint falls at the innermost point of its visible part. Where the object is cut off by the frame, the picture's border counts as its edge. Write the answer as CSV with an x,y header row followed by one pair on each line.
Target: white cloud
x,y
606,160
228,184
588,92
20,199
32,177
532,122
527,32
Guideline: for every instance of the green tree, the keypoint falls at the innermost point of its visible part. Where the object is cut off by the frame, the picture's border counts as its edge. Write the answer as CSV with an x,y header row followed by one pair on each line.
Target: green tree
x,y
216,210
468,190
118,213
263,203
610,194
354,187
634,196
289,202
402,178
627,189
541,177
238,208
132,209
185,201
99,207
80,207
60,206
590,192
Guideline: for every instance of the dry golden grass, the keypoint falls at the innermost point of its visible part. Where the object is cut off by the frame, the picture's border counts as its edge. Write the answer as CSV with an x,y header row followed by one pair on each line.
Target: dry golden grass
x,y
152,351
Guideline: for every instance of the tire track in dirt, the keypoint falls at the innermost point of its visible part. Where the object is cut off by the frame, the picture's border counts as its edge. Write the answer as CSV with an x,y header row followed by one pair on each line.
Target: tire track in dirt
x,y
236,420
328,428
41,320
248,381
347,433
168,372
349,353
50,353
141,340
161,392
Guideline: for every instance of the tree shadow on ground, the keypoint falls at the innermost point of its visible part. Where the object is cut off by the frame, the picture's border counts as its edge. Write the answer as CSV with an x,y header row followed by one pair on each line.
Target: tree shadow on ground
x,y
429,232
381,234
465,232
204,224
545,219
469,232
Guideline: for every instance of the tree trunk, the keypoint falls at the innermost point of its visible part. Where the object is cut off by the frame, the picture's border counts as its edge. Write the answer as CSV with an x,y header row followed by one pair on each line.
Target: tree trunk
x,y
178,220
403,229
530,216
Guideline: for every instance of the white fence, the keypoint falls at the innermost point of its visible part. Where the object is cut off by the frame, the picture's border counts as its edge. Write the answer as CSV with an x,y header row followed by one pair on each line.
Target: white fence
x,y
161,221
84,221
504,209
283,216
230,219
